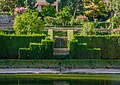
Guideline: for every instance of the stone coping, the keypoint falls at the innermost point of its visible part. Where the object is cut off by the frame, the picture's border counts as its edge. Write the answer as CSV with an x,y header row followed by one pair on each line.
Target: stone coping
x,y
59,71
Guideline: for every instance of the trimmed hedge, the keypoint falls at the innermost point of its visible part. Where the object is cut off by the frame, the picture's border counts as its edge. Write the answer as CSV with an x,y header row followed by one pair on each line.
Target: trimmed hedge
x,y
43,50
81,51
24,53
37,51
109,44
10,44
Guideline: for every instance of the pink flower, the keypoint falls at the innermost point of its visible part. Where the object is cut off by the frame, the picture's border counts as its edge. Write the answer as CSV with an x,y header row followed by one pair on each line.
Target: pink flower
x,y
20,10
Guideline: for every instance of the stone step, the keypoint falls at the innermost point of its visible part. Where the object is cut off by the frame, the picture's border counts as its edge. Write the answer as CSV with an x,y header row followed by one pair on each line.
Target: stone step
x,y
61,51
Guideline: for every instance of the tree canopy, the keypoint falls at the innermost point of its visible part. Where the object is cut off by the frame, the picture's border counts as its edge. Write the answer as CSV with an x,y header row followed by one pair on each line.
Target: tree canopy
x,y
48,10
50,1
30,4
64,16
7,5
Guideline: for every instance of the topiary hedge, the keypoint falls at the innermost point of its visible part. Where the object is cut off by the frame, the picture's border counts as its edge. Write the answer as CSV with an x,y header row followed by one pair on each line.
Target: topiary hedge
x,y
43,50
10,44
109,44
81,51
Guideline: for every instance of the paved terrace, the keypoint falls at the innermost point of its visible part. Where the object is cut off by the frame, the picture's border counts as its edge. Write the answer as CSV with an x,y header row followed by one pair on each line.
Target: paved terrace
x,y
57,71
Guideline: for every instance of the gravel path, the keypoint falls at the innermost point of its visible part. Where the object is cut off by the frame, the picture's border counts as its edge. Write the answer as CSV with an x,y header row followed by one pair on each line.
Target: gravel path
x,y
55,71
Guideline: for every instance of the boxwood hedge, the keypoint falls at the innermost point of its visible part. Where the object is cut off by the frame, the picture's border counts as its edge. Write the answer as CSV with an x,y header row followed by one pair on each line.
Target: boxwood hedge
x,y
10,44
109,44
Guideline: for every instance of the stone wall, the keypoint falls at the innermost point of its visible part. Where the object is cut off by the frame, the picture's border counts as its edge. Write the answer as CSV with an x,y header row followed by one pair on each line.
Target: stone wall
x,y
6,21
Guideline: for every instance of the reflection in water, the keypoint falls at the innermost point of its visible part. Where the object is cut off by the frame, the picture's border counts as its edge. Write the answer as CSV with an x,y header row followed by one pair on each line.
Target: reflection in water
x,y
11,81
60,83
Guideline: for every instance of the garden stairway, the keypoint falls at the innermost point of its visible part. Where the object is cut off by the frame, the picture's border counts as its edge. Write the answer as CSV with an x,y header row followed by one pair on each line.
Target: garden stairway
x,y
60,47
61,53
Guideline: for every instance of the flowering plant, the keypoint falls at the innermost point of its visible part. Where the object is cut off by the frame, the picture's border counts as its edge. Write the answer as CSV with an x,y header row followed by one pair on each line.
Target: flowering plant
x,y
20,10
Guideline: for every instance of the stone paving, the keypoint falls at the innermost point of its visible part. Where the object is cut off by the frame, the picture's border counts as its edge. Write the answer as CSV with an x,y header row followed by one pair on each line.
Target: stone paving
x,y
57,71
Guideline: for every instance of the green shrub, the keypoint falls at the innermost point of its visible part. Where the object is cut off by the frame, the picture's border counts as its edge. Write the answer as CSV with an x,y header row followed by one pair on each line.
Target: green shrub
x,y
88,28
24,53
64,16
94,53
49,46
81,51
73,48
102,24
43,50
50,21
28,23
109,44
48,10
37,51
10,44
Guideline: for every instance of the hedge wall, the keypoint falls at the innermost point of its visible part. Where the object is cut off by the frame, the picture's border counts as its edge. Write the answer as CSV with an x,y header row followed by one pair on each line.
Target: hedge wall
x,y
43,50
81,51
109,44
9,44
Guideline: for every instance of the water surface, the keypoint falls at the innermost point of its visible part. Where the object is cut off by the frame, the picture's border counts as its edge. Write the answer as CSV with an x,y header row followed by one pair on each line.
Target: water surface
x,y
87,80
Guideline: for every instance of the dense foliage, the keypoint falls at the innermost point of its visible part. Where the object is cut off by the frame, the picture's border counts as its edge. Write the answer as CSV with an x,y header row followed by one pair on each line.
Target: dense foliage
x,y
88,28
64,16
48,10
10,44
28,23
20,3
7,5
109,45
50,1
30,4
75,6
43,50
95,9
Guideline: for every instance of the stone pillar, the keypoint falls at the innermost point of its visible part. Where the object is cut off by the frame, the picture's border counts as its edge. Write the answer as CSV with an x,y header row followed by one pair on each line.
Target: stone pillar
x,y
57,7
39,8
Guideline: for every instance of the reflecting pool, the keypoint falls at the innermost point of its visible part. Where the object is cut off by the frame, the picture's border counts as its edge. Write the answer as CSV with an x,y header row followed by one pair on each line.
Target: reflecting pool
x,y
58,80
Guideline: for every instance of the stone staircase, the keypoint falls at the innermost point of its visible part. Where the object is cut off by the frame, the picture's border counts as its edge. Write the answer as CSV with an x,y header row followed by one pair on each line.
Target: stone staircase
x,y
61,53
60,47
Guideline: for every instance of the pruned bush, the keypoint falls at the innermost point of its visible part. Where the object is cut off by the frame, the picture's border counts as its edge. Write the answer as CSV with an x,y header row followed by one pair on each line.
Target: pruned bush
x,y
109,44
88,28
28,23
43,50
10,44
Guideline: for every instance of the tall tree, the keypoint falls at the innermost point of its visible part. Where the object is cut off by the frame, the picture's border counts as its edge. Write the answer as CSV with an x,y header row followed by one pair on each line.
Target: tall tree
x,y
48,10
50,1
7,5
20,3
64,16
114,7
75,6
95,9
30,4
